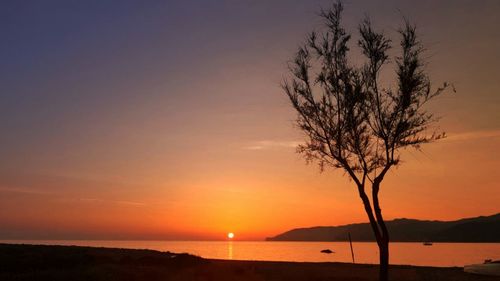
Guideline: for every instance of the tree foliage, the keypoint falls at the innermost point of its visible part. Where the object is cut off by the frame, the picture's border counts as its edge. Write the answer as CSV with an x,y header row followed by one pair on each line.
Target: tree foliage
x,y
350,121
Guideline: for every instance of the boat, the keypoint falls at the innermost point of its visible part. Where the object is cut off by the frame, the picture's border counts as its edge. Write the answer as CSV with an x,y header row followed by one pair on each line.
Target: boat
x,y
427,243
327,251
489,267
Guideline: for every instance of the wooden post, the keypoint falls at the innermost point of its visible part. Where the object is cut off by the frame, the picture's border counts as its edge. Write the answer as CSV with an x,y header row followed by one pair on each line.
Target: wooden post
x,y
350,243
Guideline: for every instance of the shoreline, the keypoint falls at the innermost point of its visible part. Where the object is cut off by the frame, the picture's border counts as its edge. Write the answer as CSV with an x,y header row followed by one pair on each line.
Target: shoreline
x,y
439,255
20,241
49,262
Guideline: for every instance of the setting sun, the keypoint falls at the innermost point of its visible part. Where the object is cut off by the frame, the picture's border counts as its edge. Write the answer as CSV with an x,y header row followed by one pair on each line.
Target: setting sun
x,y
230,235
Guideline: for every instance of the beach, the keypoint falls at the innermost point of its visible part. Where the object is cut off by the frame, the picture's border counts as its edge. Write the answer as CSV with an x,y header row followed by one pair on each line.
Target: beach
x,y
38,262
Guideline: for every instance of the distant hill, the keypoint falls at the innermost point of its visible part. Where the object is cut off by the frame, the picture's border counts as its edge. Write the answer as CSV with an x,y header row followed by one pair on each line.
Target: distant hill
x,y
479,229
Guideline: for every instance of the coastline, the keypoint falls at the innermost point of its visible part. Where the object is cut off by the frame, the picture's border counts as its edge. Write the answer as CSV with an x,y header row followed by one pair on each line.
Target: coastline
x,y
439,255
42,262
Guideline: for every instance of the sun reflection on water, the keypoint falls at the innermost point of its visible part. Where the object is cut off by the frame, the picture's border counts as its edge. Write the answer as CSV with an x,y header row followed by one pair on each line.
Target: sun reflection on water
x,y
229,250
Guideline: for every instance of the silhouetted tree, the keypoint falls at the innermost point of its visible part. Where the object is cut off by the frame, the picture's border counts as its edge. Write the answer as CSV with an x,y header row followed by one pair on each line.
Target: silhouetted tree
x,y
352,123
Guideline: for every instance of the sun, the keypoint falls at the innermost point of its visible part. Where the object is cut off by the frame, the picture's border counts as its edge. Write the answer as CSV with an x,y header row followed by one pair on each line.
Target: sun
x,y
230,235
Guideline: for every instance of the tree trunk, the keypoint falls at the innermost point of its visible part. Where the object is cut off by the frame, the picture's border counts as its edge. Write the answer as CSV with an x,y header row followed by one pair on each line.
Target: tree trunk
x,y
383,242
383,247
379,228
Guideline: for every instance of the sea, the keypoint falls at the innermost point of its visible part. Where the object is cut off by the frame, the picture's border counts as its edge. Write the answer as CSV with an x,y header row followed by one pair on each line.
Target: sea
x,y
439,254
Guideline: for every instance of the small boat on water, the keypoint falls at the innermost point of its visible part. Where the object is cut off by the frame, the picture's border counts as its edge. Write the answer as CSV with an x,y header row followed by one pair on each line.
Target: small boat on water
x,y
327,251
427,243
489,267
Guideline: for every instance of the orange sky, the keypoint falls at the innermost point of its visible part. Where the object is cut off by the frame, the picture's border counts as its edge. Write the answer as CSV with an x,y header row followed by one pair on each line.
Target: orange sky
x,y
107,144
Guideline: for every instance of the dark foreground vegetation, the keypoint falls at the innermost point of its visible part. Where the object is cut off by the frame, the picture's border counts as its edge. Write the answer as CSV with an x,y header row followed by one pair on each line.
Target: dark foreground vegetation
x,y
36,262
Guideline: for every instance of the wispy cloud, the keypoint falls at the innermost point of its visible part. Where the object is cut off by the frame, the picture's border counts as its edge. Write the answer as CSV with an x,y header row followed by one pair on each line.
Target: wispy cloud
x,y
270,144
120,202
460,136
466,136
24,190
67,199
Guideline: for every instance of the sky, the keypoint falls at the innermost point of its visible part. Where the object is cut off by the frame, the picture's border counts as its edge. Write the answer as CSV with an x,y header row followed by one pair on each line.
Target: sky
x,y
165,119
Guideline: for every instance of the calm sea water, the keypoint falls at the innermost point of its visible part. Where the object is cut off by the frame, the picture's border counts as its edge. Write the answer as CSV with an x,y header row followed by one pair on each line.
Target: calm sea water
x,y
439,254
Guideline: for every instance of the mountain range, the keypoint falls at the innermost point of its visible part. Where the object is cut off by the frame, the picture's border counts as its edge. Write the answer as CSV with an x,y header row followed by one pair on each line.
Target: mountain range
x,y
478,229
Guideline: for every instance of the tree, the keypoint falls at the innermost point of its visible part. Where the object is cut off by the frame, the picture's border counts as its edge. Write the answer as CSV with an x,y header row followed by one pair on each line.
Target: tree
x,y
349,120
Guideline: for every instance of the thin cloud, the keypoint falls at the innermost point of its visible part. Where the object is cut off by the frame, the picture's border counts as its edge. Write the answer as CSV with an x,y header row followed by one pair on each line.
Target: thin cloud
x,y
467,136
89,200
24,191
120,202
463,136
271,144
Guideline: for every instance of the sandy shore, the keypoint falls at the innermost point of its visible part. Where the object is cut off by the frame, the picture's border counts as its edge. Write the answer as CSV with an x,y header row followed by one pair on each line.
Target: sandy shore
x,y
35,262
